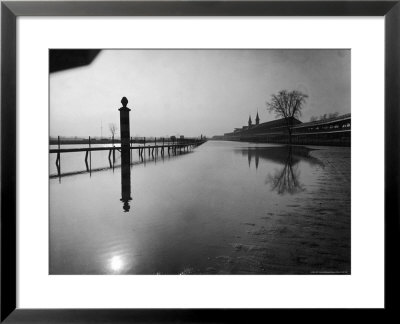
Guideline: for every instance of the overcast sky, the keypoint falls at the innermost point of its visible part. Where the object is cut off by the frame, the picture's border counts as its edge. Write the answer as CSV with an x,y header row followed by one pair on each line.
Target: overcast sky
x,y
193,92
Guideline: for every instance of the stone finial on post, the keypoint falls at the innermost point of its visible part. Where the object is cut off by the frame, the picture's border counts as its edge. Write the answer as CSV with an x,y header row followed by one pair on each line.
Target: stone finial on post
x,y
124,102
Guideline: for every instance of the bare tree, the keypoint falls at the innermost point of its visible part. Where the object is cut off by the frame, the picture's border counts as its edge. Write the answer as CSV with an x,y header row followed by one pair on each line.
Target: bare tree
x,y
288,105
323,117
113,129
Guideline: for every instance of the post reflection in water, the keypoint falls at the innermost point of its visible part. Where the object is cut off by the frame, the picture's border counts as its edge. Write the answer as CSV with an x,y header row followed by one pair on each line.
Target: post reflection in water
x,y
125,179
286,179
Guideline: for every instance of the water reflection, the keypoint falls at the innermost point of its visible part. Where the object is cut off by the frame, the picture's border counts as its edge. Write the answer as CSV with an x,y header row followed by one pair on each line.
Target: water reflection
x,y
126,184
286,179
113,164
205,212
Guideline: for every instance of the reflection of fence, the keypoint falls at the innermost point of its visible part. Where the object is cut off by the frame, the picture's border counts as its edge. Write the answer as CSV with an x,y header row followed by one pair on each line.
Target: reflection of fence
x,y
162,146
99,167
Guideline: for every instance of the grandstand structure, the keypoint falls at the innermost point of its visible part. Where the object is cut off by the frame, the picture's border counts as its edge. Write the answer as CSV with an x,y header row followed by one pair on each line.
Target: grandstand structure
x,y
331,131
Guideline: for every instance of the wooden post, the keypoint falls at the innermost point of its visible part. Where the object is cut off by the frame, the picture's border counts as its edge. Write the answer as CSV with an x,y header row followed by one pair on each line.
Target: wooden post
x,y
144,144
109,159
86,162
59,158
90,158
58,164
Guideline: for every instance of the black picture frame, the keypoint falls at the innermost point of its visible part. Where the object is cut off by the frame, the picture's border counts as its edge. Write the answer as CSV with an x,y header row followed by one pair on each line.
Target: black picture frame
x,y
10,10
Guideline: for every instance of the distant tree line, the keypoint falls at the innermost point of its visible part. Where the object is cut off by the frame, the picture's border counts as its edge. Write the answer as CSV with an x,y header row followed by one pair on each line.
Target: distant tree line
x,y
324,117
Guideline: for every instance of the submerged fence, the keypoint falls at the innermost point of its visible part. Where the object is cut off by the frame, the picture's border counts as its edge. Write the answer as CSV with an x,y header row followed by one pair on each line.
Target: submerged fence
x,y
150,146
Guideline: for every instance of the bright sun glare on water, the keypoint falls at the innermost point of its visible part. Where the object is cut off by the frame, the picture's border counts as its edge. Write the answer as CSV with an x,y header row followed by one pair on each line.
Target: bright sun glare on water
x,y
116,264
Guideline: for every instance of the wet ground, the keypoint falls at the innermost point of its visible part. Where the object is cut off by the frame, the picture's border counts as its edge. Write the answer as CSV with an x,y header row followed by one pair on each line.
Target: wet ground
x,y
309,234
224,208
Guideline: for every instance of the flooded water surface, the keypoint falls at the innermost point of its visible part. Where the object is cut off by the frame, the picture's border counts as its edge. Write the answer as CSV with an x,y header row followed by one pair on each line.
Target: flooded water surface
x,y
222,208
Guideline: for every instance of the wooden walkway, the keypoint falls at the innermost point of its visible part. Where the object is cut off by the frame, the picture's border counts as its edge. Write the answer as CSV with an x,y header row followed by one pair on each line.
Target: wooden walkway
x,y
153,150
140,148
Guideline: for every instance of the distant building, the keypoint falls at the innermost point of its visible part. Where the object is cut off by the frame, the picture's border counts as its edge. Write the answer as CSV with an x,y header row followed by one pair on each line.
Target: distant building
x,y
332,131
274,127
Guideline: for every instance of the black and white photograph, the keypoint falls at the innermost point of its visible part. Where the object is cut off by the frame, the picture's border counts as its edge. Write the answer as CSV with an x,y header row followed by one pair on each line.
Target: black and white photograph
x,y
199,161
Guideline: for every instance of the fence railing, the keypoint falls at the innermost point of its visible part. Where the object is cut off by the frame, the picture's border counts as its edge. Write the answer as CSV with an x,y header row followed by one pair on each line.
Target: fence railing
x,y
138,140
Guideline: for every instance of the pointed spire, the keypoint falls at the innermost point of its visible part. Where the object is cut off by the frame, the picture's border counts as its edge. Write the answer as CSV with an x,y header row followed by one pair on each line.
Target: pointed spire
x,y
257,119
250,122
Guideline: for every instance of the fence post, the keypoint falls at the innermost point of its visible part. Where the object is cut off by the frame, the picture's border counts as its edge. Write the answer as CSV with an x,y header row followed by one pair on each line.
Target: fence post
x,y
90,157
58,160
